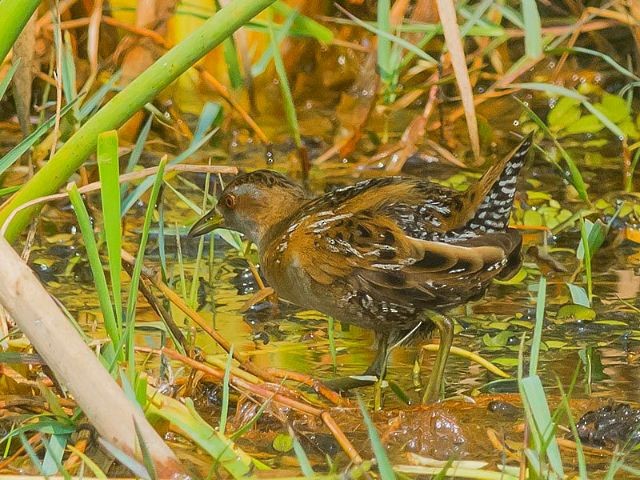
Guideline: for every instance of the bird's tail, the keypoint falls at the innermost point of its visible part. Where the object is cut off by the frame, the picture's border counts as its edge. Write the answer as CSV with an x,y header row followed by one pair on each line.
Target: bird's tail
x,y
492,197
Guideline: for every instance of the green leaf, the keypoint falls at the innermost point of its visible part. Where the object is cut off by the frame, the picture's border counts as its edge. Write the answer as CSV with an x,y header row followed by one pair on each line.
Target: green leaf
x,y
615,108
575,312
505,361
384,44
499,340
578,295
565,113
585,124
532,218
537,331
109,169
629,128
384,464
532,29
540,421
282,443
550,89
4,83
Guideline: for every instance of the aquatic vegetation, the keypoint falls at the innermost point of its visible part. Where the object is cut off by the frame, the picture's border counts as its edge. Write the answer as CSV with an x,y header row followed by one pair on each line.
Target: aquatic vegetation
x,y
146,123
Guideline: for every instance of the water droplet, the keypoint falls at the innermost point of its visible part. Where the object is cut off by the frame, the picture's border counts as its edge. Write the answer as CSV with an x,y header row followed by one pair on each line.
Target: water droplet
x,y
269,157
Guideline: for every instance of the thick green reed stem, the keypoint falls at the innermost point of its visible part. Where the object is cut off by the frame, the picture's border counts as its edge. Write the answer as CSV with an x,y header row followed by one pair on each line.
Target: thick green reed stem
x,y
121,107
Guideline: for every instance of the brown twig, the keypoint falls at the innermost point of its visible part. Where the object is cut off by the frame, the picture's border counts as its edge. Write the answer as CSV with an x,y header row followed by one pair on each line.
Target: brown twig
x,y
162,312
224,93
265,393
269,375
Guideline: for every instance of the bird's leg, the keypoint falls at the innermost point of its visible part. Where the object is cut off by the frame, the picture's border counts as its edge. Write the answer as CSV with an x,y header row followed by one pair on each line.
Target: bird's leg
x,y
445,327
378,368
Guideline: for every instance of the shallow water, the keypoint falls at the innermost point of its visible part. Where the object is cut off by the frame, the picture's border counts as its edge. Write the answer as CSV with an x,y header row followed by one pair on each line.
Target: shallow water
x,y
298,340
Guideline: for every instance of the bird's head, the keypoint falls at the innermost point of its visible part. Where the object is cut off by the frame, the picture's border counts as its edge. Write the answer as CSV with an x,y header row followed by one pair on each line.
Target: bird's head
x,y
252,204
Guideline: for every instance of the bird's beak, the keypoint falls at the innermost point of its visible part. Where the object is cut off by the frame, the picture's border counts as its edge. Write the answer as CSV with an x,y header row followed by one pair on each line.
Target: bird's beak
x,y
209,222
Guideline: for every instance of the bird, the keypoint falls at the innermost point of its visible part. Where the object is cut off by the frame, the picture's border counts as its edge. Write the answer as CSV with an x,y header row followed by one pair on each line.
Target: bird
x,y
391,254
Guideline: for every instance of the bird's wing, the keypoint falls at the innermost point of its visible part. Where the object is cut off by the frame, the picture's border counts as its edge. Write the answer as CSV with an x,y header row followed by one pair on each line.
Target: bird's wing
x,y
370,250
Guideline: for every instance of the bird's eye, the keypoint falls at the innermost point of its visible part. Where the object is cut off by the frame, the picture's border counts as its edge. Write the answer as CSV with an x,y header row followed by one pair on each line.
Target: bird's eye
x,y
229,201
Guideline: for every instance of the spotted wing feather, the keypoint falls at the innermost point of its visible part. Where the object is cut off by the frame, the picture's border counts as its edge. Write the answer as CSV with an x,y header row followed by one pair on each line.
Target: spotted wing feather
x,y
375,256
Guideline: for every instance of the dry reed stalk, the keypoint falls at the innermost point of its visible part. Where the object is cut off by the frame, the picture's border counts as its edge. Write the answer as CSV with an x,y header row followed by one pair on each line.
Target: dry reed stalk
x,y
76,366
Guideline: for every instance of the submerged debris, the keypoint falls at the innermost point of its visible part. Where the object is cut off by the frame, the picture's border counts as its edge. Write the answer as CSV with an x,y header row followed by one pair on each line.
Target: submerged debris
x,y
610,425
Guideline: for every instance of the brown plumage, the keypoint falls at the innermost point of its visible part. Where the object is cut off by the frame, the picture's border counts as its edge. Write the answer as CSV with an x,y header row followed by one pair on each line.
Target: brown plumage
x,y
390,254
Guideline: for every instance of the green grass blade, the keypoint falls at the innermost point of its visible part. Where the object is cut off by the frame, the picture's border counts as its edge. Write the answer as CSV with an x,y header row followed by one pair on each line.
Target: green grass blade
x,y
259,67
147,182
93,256
602,56
558,90
69,83
146,454
129,462
224,412
475,17
301,455
93,102
331,328
14,154
31,453
285,89
532,29
543,428
393,38
95,469
55,447
231,58
385,68
575,177
586,257
303,25
4,83
580,456
185,418
137,268
384,464
18,13
537,331
109,169
122,106
211,112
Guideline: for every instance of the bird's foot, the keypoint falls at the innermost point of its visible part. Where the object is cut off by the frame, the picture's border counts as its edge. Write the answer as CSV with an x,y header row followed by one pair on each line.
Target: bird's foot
x,y
344,384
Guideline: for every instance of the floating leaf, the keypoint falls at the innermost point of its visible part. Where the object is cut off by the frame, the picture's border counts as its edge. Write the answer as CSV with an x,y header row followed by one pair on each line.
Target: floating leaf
x,y
586,124
576,312
615,108
516,279
499,340
282,443
506,361
566,112
532,218
578,295
629,128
